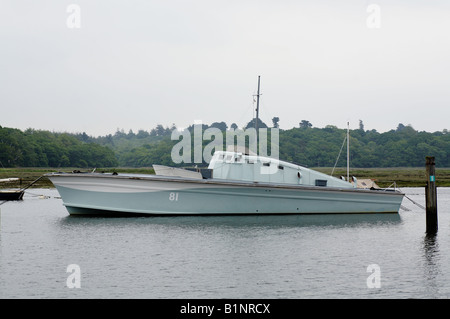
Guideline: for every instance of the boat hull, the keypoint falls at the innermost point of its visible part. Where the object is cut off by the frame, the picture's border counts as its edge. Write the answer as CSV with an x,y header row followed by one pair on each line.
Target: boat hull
x,y
100,194
11,195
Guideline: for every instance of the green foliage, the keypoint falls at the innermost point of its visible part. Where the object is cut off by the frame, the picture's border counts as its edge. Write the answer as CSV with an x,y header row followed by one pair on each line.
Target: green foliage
x,y
34,148
306,145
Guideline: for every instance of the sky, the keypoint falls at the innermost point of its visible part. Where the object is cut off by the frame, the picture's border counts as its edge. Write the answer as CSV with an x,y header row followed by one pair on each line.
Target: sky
x,y
97,66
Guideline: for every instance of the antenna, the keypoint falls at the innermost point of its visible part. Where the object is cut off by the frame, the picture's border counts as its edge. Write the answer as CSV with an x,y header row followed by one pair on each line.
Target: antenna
x,y
257,111
348,151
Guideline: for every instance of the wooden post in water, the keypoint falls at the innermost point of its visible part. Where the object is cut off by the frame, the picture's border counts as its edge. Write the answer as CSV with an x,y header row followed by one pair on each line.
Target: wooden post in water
x,y
431,197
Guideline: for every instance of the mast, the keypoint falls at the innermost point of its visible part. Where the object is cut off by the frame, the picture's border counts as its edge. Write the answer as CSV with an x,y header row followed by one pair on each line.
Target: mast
x,y
257,113
348,152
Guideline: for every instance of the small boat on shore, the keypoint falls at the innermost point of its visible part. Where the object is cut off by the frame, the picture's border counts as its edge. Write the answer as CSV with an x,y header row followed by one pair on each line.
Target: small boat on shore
x,y
10,194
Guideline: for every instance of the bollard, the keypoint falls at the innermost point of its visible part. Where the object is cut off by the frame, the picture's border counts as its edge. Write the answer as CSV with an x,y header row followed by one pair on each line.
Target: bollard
x,y
431,197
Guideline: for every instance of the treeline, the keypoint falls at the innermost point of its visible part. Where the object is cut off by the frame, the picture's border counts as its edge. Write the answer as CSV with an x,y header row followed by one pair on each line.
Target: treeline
x,y
34,148
305,144
402,147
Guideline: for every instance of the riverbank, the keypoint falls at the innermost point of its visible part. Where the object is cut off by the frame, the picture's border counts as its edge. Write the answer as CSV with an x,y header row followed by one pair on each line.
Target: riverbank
x,y
384,177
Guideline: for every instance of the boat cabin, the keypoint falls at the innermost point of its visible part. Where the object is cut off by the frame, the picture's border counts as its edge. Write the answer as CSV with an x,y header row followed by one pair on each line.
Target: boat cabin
x,y
242,167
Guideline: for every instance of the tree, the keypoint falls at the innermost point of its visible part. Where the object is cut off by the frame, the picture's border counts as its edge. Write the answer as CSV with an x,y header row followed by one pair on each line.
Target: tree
x,y
400,127
84,137
305,124
220,125
234,126
261,124
142,134
275,121
160,130
120,133
130,134
361,125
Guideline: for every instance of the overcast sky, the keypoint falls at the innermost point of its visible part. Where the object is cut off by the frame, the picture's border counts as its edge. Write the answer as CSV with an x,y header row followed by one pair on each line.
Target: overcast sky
x,y
136,64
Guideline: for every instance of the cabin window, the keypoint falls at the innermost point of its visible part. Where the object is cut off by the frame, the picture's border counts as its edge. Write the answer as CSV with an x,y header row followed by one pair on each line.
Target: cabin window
x,y
266,164
321,182
298,175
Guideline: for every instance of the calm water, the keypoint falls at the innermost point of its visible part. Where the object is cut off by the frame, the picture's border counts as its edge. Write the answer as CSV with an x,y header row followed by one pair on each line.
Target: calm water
x,y
321,256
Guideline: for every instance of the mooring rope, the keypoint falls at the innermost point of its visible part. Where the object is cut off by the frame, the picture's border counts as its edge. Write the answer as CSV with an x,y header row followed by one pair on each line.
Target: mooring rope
x,y
416,203
412,201
35,181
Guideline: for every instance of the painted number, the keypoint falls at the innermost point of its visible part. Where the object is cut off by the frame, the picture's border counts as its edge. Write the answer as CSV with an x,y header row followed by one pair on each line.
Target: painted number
x,y
173,197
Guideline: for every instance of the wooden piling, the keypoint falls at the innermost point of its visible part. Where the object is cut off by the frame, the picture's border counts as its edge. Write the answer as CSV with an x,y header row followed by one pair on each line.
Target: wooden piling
x,y
431,196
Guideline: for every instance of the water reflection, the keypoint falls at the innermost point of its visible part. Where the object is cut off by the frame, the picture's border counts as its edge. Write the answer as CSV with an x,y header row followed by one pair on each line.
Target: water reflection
x,y
242,221
431,267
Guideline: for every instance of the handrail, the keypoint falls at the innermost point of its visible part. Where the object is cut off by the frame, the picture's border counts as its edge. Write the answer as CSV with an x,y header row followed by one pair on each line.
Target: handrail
x,y
395,187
